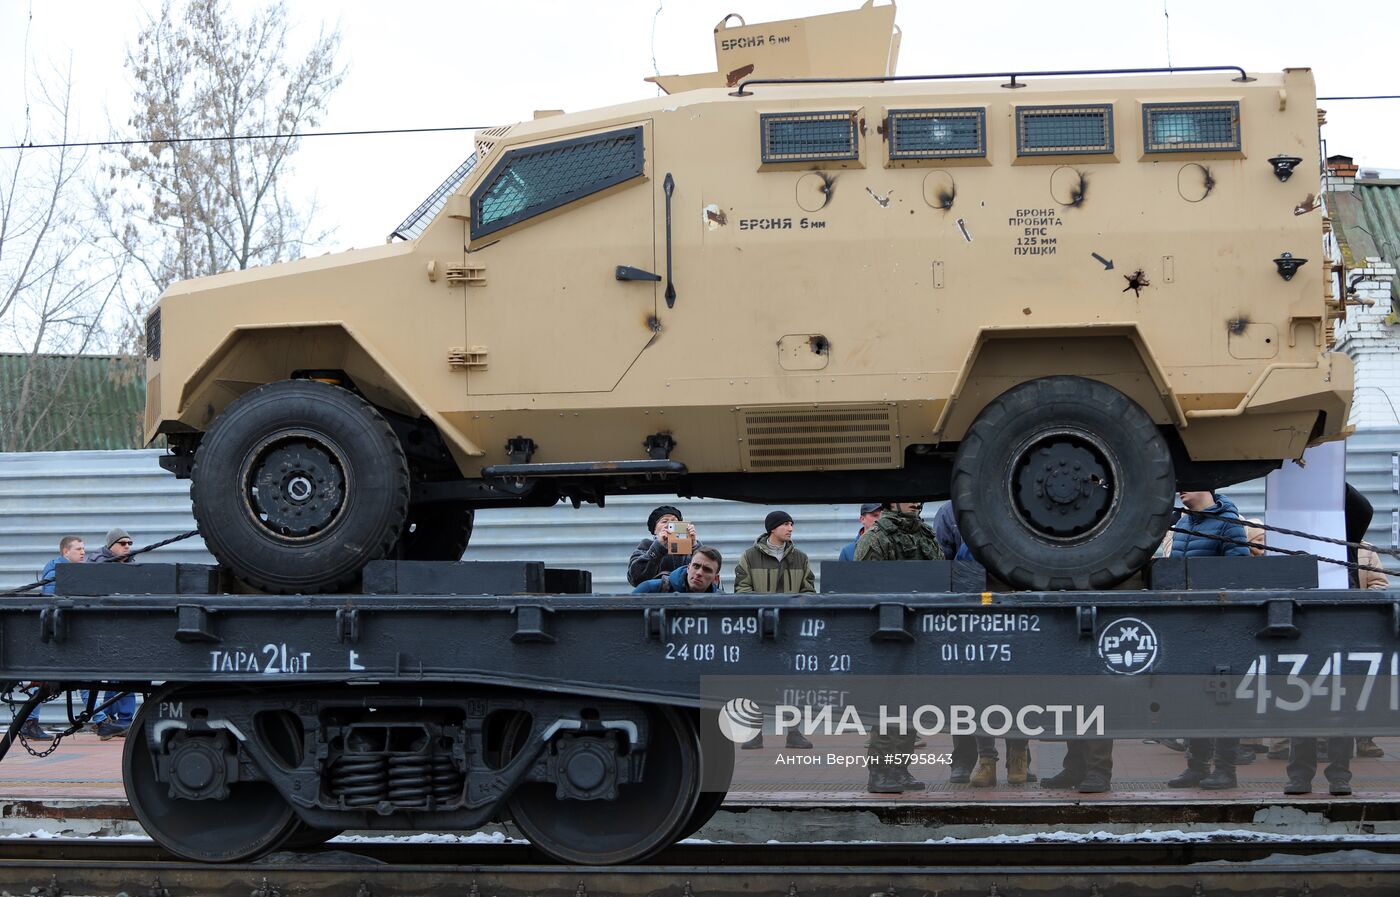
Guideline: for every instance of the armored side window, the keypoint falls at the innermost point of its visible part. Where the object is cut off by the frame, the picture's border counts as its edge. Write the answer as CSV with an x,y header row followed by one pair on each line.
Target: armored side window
x,y
1063,130
1191,127
808,136
527,182
937,133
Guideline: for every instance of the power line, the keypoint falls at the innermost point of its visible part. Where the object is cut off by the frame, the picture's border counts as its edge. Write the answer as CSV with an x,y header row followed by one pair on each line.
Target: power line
x,y
90,143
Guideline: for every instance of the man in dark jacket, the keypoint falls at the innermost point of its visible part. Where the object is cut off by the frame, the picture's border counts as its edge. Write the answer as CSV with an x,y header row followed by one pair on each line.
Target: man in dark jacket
x,y
116,549
700,575
899,535
653,556
1209,520
773,564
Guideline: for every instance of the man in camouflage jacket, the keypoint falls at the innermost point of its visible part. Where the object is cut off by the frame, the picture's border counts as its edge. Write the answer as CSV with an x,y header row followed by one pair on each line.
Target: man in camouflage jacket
x,y
899,535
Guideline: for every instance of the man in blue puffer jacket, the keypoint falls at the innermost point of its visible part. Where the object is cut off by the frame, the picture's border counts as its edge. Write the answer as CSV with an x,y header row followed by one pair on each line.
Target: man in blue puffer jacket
x,y
1205,526
1209,519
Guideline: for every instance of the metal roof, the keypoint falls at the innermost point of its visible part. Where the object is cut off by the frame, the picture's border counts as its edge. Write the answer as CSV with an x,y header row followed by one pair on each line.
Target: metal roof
x,y
72,403
1366,220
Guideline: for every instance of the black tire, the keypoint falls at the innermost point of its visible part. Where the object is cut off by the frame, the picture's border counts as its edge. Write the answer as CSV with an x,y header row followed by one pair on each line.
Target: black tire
x,y
435,532
1063,483
333,493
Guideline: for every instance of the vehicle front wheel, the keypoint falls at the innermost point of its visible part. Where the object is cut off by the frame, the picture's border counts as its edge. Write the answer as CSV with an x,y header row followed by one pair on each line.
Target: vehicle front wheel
x,y
298,485
1063,483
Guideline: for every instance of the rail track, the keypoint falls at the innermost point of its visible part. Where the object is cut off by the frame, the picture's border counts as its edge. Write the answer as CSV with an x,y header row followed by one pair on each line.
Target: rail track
x,y
1356,867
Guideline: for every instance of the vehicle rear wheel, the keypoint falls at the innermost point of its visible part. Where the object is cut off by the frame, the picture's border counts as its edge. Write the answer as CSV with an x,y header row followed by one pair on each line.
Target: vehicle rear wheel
x,y
298,485
435,532
1063,483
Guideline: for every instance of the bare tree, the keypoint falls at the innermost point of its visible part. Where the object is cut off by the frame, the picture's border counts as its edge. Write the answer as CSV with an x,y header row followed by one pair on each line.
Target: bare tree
x,y
56,285
200,207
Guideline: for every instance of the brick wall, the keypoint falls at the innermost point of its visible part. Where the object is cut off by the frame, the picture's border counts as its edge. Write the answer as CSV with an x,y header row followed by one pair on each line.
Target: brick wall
x,y
1372,340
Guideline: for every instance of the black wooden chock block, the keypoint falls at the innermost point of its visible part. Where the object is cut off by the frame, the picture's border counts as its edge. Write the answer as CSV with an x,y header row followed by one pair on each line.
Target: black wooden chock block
x,y
1269,572
879,577
136,579
454,578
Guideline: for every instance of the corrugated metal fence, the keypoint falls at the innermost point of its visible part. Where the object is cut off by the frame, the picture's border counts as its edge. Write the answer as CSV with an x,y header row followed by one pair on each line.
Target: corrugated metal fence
x,y
45,496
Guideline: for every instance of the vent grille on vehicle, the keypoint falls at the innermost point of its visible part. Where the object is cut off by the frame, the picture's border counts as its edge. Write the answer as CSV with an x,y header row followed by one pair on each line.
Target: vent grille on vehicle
x,y
153,335
828,439
808,136
1191,127
937,133
1046,130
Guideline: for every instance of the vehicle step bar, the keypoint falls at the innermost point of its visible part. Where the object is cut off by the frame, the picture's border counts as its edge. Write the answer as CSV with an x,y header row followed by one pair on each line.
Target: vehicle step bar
x,y
582,468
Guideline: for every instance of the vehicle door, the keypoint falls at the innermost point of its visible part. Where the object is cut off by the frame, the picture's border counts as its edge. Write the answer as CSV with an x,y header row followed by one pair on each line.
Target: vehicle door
x,y
561,231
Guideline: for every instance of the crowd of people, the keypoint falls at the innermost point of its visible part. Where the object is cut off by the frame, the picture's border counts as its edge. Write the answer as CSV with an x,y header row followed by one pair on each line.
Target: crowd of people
x,y
1210,526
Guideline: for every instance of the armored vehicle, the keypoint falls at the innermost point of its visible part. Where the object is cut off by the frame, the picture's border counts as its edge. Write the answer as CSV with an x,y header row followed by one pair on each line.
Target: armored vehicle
x,y
1055,297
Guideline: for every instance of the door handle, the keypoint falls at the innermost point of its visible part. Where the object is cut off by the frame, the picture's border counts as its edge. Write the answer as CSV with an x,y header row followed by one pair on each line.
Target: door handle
x,y
627,272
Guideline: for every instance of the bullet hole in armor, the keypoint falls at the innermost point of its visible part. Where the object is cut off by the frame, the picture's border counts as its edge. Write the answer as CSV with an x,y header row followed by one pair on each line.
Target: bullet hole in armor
x,y
820,344
1237,326
1136,281
827,188
883,201
1079,191
653,323
1208,183
946,197
1026,310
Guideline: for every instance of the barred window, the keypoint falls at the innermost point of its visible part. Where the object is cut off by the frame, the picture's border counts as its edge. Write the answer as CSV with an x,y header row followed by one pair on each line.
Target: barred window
x,y
1191,127
808,136
1056,130
937,133
528,182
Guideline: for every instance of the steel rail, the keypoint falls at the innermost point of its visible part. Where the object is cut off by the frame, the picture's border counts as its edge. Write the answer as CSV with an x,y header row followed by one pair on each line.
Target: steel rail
x,y
1322,877
698,855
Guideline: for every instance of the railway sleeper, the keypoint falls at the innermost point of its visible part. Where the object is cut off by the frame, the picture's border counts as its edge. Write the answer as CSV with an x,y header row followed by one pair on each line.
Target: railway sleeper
x,y
223,775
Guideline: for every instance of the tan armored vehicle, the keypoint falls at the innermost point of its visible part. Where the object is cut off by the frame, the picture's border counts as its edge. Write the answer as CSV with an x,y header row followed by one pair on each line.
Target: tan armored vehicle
x,y
1057,298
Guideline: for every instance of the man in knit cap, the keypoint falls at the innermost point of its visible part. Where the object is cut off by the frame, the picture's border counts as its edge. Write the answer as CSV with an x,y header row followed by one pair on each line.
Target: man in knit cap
x,y
653,557
116,548
773,564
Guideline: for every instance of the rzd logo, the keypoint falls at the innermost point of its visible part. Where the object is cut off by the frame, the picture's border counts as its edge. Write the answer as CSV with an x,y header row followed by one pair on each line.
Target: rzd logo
x,y
740,720
1128,646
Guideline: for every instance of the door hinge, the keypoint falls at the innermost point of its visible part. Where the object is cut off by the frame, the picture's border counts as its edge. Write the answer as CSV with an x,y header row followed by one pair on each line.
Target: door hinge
x,y
470,359
466,275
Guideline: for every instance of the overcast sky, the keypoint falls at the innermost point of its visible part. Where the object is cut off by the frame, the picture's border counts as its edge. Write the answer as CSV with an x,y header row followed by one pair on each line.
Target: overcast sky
x,y
422,63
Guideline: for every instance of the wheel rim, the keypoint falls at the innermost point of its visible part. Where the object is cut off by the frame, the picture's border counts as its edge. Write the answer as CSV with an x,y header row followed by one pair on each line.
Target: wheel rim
x,y
645,817
295,485
251,821
1064,484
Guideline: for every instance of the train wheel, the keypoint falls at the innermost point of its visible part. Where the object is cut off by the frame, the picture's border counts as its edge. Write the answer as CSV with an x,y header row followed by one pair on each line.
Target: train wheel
x,y
718,773
252,820
645,817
